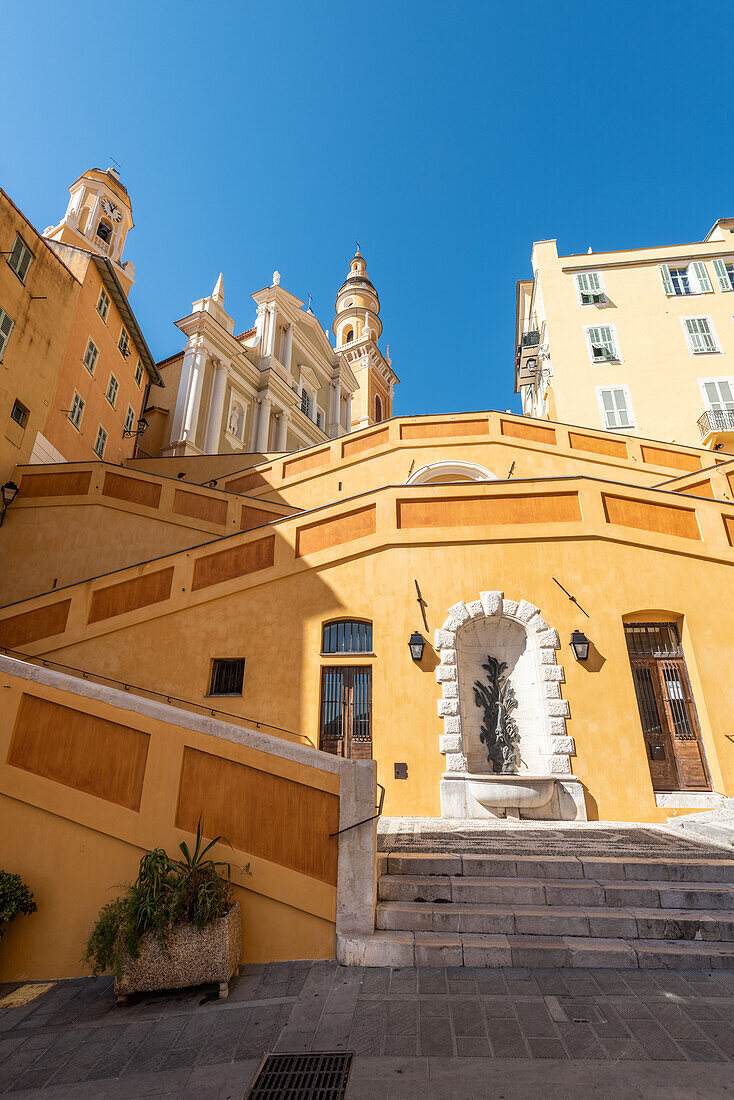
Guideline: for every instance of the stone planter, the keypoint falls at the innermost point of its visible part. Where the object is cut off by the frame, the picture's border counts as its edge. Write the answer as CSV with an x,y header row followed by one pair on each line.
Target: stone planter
x,y
190,956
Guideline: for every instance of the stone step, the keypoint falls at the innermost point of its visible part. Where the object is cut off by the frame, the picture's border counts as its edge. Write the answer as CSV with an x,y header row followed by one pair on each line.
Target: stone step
x,y
509,892
712,832
401,948
596,921
559,867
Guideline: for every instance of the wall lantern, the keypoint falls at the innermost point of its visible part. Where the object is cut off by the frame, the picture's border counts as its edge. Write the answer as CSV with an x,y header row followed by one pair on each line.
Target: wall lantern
x,y
416,643
9,492
580,645
142,425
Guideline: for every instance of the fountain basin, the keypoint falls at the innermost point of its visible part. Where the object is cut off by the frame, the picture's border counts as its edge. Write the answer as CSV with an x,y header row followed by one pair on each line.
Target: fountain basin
x,y
521,792
486,795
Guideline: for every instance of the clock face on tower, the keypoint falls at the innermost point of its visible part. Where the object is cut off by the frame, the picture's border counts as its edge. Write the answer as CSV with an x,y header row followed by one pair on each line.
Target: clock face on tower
x,y
113,211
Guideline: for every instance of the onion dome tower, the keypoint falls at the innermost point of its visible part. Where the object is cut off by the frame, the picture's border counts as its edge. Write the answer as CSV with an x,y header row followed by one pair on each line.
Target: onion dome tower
x,y
357,328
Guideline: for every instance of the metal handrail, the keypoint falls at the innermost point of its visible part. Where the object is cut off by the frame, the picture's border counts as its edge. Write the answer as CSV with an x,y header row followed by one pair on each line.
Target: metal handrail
x,y
716,420
364,819
135,689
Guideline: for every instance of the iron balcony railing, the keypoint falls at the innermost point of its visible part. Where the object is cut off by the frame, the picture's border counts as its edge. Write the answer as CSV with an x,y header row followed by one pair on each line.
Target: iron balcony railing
x,y
716,420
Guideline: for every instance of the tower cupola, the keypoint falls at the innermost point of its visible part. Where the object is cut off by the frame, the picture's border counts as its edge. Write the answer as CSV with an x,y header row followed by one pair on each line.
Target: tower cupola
x,y
357,307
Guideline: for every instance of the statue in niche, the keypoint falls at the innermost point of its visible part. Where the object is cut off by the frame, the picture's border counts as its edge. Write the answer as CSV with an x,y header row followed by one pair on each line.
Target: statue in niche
x,y
235,417
499,730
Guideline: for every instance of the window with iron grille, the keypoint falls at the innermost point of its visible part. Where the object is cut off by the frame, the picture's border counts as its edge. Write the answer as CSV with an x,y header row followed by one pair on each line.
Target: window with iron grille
x,y
319,419
90,356
19,413
139,373
305,403
76,410
602,343
347,636
129,419
700,335
6,327
653,639
20,258
103,305
100,442
590,288
228,674
112,388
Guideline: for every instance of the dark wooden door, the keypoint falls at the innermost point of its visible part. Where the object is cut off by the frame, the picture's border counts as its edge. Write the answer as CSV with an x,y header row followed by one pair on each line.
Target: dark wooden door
x,y
346,711
667,711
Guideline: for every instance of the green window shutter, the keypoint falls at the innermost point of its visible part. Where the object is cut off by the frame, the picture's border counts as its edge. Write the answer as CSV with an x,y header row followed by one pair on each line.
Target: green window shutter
x,y
667,281
594,282
704,284
582,282
6,327
694,335
722,275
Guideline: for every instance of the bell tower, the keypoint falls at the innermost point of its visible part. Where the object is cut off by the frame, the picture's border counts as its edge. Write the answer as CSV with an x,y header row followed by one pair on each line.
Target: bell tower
x,y
357,328
98,218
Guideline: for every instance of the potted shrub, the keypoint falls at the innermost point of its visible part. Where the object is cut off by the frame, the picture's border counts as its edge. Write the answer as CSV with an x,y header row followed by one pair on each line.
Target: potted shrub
x,y
15,898
175,926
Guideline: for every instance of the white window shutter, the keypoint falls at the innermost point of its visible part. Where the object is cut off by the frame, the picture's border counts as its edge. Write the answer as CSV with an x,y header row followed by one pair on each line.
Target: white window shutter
x,y
727,394
594,282
667,281
694,337
623,418
582,282
702,277
722,275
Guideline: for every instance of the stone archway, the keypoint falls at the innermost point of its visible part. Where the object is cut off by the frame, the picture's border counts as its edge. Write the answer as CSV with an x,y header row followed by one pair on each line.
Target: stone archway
x,y
515,632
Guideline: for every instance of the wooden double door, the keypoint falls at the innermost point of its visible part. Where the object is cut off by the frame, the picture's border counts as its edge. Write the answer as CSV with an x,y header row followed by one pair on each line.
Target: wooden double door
x,y
667,711
346,711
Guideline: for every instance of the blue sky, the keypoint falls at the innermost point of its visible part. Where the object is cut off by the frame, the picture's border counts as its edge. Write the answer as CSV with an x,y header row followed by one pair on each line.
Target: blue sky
x,y
446,136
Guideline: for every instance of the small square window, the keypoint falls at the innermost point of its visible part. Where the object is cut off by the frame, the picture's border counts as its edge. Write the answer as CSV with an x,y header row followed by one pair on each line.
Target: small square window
x,y
228,674
76,410
112,388
103,305
129,419
20,258
100,442
139,373
90,356
19,413
124,343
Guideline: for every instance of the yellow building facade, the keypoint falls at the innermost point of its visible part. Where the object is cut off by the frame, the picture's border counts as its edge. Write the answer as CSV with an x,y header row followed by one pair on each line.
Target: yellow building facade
x,y
637,340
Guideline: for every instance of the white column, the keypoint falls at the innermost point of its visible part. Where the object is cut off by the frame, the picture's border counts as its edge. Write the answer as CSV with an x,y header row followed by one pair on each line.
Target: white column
x,y
216,409
348,424
272,328
288,348
260,326
281,437
263,424
184,386
254,425
191,416
335,409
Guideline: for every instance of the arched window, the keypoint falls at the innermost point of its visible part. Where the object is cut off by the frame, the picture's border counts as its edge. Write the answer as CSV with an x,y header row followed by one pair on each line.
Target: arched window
x,y
104,231
347,336
347,636
378,408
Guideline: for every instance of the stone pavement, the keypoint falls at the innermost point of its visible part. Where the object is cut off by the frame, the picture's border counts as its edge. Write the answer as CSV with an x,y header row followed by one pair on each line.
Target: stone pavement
x,y
429,1033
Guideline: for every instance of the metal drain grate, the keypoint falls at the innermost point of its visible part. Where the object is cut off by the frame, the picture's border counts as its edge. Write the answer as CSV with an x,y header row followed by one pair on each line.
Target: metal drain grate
x,y
321,1076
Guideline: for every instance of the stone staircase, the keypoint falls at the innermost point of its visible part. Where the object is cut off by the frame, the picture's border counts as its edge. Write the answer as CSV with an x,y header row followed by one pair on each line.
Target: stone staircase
x,y
441,909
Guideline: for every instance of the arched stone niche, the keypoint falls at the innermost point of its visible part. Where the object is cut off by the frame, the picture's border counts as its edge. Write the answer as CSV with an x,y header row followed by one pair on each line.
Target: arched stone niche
x,y
446,471
514,632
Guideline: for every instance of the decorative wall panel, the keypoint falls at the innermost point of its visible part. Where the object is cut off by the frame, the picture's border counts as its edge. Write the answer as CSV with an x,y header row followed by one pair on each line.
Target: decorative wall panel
x,y
147,493
534,432
199,506
334,532
117,599
645,515
444,429
44,622
600,445
72,484
676,460
489,510
235,562
363,443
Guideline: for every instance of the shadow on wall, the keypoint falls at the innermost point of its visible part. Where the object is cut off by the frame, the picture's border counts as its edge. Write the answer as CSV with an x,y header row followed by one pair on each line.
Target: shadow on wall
x,y
595,661
592,808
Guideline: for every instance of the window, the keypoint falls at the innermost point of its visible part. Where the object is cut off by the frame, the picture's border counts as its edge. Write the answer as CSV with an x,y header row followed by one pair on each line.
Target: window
x,y
228,674
104,231
305,403
20,258
6,327
112,388
378,408
100,442
700,335
76,410
138,374
90,356
19,413
590,288
691,279
124,343
129,419
348,336
602,344
103,305
319,419
347,636
724,274
718,393
616,407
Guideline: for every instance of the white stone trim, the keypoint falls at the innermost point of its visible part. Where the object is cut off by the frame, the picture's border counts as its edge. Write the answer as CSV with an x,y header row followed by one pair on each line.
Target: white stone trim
x,y
470,470
546,641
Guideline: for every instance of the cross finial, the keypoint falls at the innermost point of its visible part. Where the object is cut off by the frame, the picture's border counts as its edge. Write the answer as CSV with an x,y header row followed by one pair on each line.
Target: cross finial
x,y
309,303
116,164
357,244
